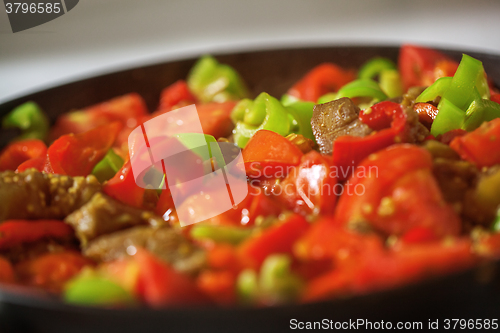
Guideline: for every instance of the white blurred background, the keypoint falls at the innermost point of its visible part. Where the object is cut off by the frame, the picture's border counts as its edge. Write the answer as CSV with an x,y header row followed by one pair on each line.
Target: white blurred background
x,y
100,36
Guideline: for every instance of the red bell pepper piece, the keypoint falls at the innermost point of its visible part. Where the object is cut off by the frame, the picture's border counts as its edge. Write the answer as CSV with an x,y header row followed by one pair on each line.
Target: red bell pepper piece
x,y
19,152
77,154
176,95
7,274
397,192
159,285
321,80
278,238
269,154
312,185
123,187
480,146
426,113
16,232
349,151
37,163
420,66
448,137
127,109
419,235
51,271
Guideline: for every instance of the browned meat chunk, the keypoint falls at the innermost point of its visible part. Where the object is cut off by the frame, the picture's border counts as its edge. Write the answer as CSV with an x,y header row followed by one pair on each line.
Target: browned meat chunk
x,y
35,195
103,215
166,243
334,119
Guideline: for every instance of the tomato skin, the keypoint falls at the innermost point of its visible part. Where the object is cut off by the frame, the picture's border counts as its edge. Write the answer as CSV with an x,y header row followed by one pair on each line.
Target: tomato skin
x,y
480,146
52,270
320,80
77,154
310,185
398,193
123,187
126,109
420,66
176,95
268,154
220,286
15,232
278,238
159,285
349,151
19,152
384,270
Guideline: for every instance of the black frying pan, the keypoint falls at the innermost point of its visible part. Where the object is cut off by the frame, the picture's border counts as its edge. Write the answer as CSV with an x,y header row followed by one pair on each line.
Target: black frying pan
x,y
474,294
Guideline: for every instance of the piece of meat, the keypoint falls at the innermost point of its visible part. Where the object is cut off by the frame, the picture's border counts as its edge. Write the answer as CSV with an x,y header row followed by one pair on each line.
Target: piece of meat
x,y
103,215
334,119
35,195
166,243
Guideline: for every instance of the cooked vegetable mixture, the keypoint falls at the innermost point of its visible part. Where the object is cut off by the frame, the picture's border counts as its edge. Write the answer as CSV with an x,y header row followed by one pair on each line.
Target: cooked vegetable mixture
x,y
358,181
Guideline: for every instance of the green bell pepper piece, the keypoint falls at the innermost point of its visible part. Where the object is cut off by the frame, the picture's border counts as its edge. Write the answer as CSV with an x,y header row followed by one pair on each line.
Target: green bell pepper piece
x,y
30,119
211,81
496,224
448,118
435,90
288,99
108,166
302,114
362,88
247,287
278,284
220,233
95,290
375,67
327,98
390,83
479,111
461,90
275,118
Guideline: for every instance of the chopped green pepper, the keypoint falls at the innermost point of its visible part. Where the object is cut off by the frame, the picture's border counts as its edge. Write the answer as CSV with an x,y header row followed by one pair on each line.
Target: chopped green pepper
x,y
374,67
390,83
448,118
211,81
108,166
362,88
30,119
273,114
479,111
302,114
277,283
95,290
496,224
220,233
435,90
327,98
247,287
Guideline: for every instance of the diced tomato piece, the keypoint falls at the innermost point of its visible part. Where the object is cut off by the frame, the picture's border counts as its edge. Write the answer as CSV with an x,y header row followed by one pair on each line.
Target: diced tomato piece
x,y
420,66
449,136
321,80
269,154
123,187
426,113
51,271
159,285
19,152
176,95
223,257
278,238
480,146
219,285
16,232
397,192
349,151
78,154
311,186
37,163
127,109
